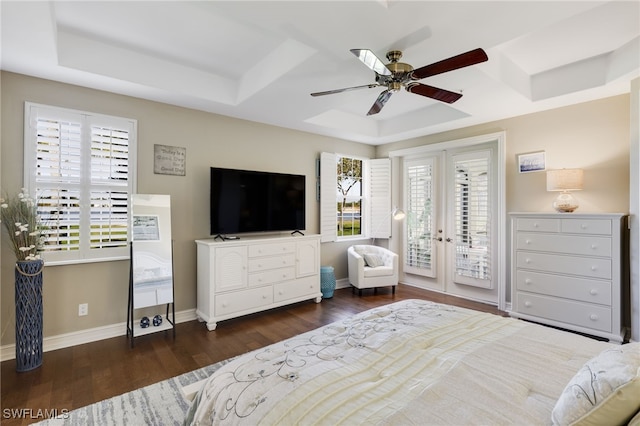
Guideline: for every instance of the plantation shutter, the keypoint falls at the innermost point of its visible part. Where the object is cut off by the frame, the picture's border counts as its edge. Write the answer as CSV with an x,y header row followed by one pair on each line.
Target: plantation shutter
x,y
472,219
58,179
420,256
328,192
379,184
80,168
109,186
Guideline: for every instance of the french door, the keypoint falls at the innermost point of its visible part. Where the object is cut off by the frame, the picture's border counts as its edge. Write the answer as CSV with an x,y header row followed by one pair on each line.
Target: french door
x,y
451,226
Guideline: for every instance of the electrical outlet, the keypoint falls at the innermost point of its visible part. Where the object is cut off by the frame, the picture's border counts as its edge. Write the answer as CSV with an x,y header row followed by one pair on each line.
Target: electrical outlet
x,y
83,309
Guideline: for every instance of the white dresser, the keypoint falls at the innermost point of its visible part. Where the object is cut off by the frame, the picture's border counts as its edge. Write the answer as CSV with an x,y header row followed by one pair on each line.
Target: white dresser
x,y
568,270
240,277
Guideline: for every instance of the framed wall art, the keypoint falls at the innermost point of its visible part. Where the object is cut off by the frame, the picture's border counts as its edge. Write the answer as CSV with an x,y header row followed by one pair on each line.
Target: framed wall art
x,y
531,162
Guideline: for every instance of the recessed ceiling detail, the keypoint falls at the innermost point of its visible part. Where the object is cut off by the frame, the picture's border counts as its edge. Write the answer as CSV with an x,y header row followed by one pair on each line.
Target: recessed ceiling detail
x,y
260,61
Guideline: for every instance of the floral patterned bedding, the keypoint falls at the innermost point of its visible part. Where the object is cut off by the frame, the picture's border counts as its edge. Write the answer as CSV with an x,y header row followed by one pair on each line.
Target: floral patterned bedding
x,y
410,362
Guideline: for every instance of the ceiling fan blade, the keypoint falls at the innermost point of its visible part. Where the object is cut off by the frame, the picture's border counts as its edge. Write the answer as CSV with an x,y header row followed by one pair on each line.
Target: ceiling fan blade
x,y
379,103
455,62
331,92
371,60
433,92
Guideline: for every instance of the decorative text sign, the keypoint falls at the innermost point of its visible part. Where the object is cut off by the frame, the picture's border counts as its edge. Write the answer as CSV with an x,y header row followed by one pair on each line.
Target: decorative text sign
x,y
169,160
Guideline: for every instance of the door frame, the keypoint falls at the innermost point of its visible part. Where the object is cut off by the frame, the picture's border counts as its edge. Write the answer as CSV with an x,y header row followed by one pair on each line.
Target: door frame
x,y
500,164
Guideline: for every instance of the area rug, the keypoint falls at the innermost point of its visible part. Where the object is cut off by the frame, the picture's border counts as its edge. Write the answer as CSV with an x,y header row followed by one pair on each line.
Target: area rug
x,y
162,403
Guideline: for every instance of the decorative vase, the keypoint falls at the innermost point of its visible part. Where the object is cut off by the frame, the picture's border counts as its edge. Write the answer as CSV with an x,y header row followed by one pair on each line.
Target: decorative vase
x,y
28,314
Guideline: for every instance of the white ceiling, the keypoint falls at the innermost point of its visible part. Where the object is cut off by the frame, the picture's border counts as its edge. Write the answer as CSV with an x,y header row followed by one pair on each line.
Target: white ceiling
x,y
260,60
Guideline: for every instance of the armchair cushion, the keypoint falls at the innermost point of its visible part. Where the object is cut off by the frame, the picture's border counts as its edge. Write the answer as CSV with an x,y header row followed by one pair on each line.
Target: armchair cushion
x,y
372,260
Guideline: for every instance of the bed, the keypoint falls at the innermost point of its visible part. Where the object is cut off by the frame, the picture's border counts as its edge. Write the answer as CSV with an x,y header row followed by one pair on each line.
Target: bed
x,y
417,362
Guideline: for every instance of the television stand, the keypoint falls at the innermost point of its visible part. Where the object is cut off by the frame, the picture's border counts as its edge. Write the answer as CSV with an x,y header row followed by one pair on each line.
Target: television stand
x,y
250,275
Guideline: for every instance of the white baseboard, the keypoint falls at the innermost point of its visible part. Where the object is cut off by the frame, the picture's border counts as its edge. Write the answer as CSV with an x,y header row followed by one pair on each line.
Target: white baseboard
x,y
343,283
66,340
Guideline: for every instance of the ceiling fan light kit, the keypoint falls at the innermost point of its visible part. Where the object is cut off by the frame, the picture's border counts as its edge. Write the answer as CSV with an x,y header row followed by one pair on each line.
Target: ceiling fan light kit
x,y
396,75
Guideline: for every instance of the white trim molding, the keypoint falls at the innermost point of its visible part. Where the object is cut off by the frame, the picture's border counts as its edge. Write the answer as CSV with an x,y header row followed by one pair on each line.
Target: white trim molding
x,y
52,343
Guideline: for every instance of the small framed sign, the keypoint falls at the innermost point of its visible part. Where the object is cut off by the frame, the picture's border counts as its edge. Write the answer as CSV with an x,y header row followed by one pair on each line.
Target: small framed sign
x,y
146,228
169,160
531,162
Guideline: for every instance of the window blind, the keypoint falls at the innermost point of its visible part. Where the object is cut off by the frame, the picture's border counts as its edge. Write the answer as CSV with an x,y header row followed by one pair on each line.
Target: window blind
x,y
472,217
419,199
81,169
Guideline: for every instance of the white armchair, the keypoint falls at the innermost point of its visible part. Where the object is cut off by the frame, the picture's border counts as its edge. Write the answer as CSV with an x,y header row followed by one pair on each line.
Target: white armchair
x,y
372,267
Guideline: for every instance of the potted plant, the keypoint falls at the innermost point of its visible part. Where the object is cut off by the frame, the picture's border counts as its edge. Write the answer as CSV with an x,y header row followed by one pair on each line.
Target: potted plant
x,y
19,214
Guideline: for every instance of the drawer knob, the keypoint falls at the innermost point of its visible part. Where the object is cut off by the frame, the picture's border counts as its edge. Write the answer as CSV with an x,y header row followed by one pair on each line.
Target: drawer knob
x,y
264,296
527,281
594,268
225,304
594,246
527,241
535,225
527,260
593,317
593,292
583,226
528,304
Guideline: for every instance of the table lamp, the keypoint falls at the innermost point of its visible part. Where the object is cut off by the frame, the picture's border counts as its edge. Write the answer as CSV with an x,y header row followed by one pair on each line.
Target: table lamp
x,y
565,180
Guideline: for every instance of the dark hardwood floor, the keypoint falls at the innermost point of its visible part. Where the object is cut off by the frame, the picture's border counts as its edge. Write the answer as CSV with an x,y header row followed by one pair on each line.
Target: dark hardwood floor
x,y
77,376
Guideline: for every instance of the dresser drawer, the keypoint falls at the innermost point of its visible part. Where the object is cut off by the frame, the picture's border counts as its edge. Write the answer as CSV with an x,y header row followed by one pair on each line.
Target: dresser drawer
x,y
586,226
308,286
581,314
582,289
537,224
273,262
272,276
237,301
271,249
570,244
587,267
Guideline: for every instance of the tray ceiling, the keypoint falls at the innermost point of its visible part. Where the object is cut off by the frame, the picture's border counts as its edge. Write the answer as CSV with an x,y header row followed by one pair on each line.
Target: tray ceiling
x,y
260,60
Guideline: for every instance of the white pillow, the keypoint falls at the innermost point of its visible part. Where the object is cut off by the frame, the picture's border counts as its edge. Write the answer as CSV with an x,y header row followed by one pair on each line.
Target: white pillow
x,y
372,260
606,390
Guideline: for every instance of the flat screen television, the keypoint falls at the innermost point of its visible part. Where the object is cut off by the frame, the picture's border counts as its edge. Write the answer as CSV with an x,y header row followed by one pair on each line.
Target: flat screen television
x,y
244,201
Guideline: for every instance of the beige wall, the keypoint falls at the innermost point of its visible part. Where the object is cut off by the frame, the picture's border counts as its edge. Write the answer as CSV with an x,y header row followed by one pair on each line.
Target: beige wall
x,y
210,140
593,135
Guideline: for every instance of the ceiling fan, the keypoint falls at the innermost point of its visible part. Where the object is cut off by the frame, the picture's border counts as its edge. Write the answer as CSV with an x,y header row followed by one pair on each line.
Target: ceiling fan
x,y
395,75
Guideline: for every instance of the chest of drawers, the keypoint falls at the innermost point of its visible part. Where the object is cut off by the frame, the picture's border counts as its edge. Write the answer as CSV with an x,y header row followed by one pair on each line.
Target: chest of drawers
x,y
240,277
568,270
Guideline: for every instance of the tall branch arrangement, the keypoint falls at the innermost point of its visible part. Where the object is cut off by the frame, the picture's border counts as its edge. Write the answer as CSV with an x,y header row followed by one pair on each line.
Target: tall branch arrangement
x,y
19,214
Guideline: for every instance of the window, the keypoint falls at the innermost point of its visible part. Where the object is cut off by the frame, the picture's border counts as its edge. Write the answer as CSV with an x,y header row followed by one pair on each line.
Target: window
x,y
349,196
81,168
355,197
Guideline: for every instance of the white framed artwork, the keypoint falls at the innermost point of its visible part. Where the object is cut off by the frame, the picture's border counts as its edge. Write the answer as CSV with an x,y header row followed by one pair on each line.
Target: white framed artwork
x,y
531,162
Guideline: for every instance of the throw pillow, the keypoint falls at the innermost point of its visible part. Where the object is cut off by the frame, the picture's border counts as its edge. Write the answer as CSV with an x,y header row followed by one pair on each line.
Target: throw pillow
x,y
372,260
604,391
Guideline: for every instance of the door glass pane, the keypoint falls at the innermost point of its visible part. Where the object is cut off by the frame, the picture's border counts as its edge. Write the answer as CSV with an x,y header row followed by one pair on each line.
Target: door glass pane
x,y
419,178
472,218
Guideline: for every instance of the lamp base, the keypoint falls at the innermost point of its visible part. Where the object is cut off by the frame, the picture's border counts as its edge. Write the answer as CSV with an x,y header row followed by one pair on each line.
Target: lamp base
x,y
565,203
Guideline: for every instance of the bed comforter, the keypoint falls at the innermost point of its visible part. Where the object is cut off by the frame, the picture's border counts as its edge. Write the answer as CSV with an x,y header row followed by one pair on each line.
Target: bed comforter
x,y
410,362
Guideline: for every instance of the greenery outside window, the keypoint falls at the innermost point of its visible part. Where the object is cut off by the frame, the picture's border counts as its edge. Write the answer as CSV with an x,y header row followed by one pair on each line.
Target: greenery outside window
x,y
80,167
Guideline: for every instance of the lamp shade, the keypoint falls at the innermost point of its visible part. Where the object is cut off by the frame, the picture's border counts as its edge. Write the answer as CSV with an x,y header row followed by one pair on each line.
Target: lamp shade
x,y
398,214
565,180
